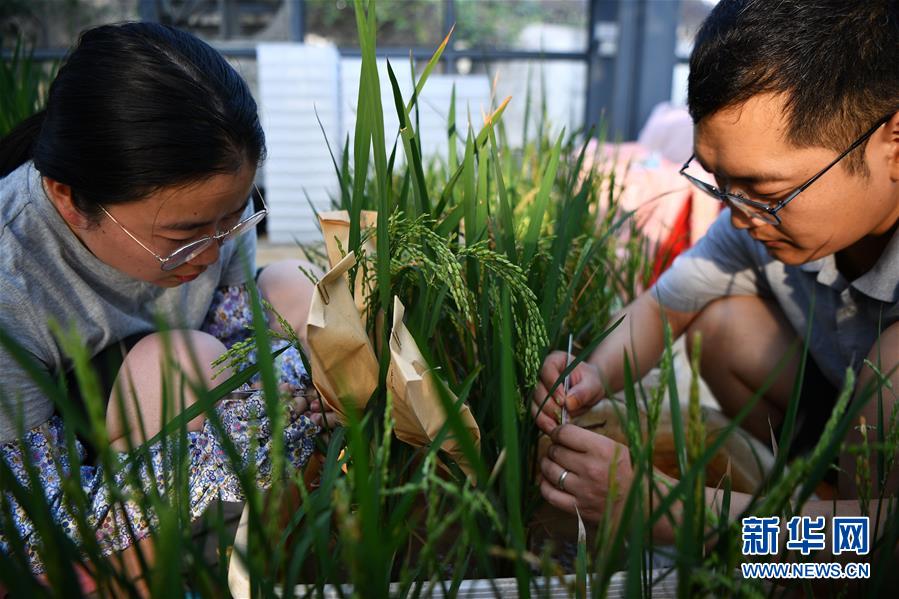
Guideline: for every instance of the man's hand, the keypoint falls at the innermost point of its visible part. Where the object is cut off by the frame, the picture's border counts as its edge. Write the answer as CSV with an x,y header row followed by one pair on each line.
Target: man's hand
x,y
587,457
585,390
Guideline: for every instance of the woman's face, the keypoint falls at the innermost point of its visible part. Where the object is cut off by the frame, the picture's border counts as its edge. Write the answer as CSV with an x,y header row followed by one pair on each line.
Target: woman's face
x,y
164,221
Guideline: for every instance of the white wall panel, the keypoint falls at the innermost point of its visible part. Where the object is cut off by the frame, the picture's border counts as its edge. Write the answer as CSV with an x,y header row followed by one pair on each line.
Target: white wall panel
x,y
294,81
472,93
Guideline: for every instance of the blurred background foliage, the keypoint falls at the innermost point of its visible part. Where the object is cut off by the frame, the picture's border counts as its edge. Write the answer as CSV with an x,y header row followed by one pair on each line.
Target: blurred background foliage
x,y
479,23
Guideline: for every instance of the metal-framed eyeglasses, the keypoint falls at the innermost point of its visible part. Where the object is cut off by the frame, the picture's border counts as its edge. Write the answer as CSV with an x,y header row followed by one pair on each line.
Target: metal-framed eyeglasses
x,y
191,250
765,211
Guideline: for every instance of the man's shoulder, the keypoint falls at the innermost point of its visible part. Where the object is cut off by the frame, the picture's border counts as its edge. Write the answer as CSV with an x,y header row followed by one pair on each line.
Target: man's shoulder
x,y
724,243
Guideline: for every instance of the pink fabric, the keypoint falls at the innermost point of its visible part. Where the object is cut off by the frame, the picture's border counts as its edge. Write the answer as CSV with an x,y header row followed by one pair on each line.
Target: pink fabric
x,y
648,183
647,173
664,201
668,131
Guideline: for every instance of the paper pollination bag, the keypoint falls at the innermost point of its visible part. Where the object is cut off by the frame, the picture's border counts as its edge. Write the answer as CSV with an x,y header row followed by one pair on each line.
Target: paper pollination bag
x,y
336,231
417,408
344,366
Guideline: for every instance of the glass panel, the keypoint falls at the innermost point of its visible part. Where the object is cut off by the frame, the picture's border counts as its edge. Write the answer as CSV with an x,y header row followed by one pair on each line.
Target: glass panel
x,y
559,25
561,82
400,22
220,20
692,14
56,24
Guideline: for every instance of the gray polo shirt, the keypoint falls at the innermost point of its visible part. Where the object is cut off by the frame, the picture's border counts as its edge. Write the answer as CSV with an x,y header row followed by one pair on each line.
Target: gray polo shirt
x,y
847,317
47,273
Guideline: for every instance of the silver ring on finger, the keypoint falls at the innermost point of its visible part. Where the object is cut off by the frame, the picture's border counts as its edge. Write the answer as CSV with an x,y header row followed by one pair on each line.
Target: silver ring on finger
x,y
561,481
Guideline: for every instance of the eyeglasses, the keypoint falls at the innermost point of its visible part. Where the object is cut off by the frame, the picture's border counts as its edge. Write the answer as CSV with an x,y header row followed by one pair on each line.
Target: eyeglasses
x,y
764,211
189,251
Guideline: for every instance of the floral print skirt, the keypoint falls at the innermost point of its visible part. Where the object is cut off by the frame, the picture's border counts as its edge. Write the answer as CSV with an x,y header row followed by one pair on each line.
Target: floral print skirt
x,y
118,520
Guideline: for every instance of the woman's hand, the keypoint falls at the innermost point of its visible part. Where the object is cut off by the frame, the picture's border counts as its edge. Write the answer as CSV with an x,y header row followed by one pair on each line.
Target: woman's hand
x,y
326,419
588,459
585,390
310,404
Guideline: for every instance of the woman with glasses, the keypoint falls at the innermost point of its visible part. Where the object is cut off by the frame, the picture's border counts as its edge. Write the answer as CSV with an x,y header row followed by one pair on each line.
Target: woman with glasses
x,y
125,206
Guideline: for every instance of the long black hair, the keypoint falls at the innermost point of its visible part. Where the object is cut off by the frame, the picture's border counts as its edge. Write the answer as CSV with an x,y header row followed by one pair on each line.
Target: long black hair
x,y
135,108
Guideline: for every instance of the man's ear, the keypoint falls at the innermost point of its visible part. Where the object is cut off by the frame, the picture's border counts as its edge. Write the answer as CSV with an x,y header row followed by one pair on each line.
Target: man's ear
x,y
61,196
892,127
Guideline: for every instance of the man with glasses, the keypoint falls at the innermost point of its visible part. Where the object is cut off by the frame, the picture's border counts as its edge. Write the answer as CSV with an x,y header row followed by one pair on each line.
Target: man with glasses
x,y
796,112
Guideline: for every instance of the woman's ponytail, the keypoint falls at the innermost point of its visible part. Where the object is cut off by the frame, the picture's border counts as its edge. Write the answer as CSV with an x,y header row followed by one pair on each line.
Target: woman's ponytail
x,y
17,147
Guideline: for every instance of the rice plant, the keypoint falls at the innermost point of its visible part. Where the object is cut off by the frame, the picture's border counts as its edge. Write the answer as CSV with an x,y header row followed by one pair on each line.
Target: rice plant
x,y
24,83
498,253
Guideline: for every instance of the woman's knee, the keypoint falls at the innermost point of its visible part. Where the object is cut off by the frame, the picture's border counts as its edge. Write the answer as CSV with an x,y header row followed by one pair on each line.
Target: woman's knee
x,y
176,365
289,290
185,352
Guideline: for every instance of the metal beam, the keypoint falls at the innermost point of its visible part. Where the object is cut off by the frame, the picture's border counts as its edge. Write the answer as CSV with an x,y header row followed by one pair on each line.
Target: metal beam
x,y
242,51
602,49
624,92
449,20
657,59
296,12
148,10
229,26
474,54
643,65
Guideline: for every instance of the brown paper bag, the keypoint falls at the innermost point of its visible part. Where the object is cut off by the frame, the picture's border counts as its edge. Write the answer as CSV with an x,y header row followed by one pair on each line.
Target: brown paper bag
x,y
336,231
417,408
344,366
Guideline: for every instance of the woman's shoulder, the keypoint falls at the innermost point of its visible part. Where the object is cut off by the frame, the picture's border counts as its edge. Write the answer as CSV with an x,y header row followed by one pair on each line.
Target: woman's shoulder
x,y
25,243
16,195
24,230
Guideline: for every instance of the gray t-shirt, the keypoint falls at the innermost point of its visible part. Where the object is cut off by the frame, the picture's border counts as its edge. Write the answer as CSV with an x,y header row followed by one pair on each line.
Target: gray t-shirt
x,y
847,317
47,273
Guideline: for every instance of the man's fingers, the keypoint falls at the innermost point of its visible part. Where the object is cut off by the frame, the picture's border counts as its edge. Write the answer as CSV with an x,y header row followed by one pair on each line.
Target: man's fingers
x,y
552,471
580,439
574,413
546,413
557,498
554,364
541,399
566,458
580,396
546,423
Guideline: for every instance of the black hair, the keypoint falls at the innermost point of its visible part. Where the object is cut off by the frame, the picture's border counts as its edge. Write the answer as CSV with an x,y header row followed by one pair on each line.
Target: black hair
x,y
835,61
138,107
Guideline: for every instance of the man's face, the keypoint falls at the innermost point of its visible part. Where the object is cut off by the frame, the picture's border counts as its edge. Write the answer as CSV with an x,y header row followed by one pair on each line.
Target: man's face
x,y
746,148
